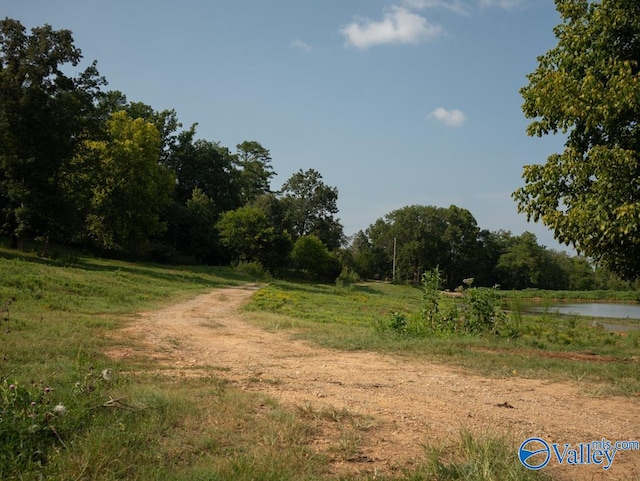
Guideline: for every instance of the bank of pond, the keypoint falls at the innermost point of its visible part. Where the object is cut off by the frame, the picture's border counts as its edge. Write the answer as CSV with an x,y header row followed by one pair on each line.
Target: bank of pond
x,y
611,315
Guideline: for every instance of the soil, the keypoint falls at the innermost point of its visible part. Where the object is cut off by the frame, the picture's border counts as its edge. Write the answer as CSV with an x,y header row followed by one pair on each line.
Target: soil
x,y
404,403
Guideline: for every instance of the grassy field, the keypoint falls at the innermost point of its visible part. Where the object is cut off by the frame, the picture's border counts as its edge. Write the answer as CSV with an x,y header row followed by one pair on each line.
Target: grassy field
x,y
544,346
69,412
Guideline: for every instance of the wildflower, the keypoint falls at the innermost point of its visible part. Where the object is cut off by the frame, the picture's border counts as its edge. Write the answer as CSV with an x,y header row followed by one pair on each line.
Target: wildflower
x,y
59,410
12,387
106,374
47,390
33,404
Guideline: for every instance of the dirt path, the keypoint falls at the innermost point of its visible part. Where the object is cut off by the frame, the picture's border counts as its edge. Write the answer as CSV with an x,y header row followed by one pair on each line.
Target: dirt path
x,y
409,402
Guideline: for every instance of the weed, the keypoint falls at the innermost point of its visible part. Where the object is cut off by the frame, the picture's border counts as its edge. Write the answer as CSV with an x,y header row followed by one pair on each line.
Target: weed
x,y
475,457
37,419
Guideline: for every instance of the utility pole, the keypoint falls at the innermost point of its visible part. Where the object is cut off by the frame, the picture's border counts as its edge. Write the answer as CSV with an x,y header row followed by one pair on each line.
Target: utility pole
x,y
394,258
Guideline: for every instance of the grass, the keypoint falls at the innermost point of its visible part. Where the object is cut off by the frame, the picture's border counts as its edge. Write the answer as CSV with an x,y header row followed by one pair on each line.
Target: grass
x,y
69,412
544,346
595,295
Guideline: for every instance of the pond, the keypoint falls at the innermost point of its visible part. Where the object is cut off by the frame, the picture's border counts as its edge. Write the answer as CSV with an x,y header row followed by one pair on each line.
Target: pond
x,y
604,310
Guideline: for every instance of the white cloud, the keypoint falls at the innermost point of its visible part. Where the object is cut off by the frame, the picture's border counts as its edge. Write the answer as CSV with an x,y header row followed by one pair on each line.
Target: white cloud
x,y
398,26
452,118
300,45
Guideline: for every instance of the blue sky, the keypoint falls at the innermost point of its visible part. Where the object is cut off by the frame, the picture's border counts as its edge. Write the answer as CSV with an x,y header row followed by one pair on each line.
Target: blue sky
x,y
394,102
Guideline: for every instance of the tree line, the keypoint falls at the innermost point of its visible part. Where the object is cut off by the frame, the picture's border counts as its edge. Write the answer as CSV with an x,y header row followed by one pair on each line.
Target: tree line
x,y
83,165
416,239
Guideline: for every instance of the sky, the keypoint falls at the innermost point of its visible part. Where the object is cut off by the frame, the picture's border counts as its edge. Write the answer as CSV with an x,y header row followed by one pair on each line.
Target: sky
x,y
394,102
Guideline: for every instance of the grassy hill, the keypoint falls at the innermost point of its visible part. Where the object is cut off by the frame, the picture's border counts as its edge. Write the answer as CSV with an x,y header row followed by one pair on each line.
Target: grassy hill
x,y
70,412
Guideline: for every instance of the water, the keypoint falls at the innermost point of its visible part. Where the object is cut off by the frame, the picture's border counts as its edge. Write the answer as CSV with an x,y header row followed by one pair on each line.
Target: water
x,y
593,309
628,312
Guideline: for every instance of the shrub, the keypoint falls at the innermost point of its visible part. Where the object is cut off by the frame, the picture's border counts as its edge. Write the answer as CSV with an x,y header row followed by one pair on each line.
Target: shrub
x,y
313,257
346,278
479,311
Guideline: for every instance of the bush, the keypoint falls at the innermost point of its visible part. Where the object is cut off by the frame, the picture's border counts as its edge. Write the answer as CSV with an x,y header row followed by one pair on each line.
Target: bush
x,y
313,257
479,312
346,278
252,269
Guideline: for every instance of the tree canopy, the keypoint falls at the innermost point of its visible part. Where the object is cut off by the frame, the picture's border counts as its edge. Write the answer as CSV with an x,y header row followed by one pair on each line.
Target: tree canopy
x,y
310,206
44,116
588,88
82,166
129,188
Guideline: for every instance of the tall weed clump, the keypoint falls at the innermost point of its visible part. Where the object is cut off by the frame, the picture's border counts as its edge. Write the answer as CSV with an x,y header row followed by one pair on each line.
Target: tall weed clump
x,y
477,312
38,420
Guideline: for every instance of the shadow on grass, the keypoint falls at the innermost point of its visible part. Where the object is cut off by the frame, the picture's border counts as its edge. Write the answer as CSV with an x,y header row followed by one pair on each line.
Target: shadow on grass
x,y
200,275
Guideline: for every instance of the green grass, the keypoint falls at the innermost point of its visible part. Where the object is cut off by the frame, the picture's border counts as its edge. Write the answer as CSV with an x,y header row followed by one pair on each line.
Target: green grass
x,y
138,424
346,319
595,295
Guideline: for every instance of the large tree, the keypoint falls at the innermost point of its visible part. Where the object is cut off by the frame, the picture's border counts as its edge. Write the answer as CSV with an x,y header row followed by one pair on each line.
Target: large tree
x,y
44,115
166,121
588,88
427,237
207,166
247,234
129,188
255,170
310,206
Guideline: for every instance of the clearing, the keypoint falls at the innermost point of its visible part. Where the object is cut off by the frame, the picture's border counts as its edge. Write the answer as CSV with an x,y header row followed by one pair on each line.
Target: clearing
x,y
407,402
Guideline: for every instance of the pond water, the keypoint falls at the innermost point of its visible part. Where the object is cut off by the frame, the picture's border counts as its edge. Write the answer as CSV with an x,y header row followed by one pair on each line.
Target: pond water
x,y
604,310
592,309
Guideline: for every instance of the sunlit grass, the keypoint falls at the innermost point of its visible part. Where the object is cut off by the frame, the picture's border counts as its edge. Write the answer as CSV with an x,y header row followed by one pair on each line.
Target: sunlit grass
x,y
143,423
346,319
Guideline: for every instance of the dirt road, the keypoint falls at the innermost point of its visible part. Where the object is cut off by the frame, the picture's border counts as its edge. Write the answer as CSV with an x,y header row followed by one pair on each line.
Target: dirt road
x,y
409,402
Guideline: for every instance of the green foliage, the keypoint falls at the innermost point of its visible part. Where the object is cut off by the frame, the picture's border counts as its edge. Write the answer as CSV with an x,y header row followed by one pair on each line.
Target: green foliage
x,y
248,235
208,166
253,270
477,457
310,206
37,420
44,116
256,171
347,278
430,311
313,257
478,311
587,87
425,237
481,311
129,188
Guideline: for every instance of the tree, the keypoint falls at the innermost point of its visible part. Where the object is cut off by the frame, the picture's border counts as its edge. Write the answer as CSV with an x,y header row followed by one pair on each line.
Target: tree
x,y
247,234
44,116
130,189
312,256
310,206
256,171
363,258
201,238
165,121
428,237
207,166
588,88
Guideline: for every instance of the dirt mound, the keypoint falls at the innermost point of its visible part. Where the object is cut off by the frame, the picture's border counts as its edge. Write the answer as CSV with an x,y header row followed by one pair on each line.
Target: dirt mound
x,y
408,402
